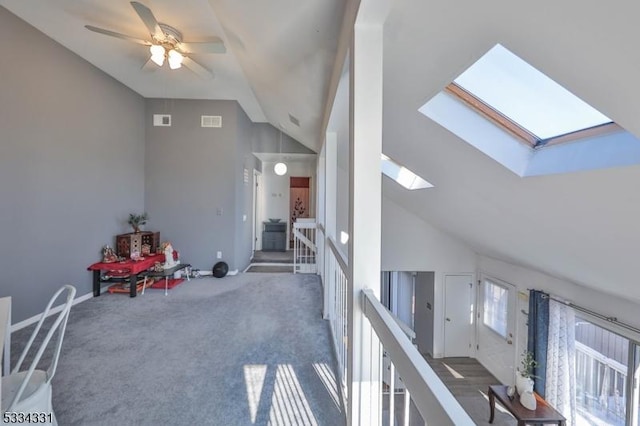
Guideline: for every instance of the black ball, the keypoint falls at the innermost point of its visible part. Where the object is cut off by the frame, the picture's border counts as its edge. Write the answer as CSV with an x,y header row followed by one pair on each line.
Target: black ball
x,y
220,269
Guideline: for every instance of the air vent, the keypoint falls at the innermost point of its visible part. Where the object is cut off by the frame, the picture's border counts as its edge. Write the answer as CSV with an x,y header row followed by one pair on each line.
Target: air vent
x,y
211,121
162,120
294,120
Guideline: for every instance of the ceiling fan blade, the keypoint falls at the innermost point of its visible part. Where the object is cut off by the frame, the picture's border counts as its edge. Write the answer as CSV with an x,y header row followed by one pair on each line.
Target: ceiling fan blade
x,y
197,68
115,34
149,20
215,45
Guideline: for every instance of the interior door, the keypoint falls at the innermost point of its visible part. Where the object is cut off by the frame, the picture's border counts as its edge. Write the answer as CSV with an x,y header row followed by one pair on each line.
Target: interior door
x,y
496,326
257,210
458,321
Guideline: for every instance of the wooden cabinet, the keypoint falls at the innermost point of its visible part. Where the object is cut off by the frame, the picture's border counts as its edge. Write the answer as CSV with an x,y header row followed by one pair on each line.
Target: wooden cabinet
x,y
137,241
274,236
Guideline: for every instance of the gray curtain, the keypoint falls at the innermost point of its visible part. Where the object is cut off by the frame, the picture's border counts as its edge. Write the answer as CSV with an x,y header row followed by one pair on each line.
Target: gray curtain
x,y
537,343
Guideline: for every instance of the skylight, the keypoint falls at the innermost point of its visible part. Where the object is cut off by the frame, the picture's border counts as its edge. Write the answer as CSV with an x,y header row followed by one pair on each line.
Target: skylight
x,y
527,97
522,119
402,175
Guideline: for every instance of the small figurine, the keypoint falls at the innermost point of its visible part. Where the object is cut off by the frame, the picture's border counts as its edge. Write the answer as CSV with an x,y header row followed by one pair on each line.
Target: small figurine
x,y
108,256
170,255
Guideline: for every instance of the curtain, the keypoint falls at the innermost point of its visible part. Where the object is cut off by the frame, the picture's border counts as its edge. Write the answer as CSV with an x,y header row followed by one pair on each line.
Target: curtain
x,y
538,332
560,376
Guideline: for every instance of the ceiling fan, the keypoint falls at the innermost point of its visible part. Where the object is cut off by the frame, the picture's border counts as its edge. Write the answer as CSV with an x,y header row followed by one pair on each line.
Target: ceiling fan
x,y
166,43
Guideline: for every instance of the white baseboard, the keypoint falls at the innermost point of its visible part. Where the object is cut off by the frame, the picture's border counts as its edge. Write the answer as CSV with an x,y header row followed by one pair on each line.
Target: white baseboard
x,y
25,323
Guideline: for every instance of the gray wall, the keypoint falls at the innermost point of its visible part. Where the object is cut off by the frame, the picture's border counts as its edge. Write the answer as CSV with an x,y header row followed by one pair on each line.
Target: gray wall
x,y
71,165
190,173
424,311
266,138
244,190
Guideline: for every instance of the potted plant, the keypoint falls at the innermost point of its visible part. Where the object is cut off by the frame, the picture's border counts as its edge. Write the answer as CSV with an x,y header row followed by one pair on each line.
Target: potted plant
x,y
135,220
525,376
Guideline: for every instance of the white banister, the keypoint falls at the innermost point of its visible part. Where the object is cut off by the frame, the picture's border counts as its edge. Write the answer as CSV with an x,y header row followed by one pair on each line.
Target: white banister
x,y
434,401
304,246
336,283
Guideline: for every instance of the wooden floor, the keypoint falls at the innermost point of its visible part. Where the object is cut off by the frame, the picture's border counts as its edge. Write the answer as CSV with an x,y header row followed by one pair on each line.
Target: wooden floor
x,y
469,381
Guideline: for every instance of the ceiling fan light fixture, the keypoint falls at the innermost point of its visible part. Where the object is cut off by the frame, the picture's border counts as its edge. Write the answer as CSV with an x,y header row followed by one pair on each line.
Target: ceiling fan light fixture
x,y
175,59
157,54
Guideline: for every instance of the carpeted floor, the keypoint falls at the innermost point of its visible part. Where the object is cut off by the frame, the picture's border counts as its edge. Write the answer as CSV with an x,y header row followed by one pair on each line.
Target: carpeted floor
x,y
260,256
242,350
271,268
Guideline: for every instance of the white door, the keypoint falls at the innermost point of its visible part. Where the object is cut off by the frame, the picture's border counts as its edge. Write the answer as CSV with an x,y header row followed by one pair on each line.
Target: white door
x,y
496,327
458,315
257,213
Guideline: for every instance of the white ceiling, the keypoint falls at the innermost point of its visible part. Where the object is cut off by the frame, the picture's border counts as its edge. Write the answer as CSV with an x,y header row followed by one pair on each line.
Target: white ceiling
x,y
278,62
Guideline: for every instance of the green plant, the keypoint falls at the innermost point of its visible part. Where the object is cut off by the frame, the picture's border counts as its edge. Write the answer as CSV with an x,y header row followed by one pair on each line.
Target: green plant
x,y
528,364
135,220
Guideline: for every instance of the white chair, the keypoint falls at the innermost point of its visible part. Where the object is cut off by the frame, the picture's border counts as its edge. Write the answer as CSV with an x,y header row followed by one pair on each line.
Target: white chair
x,y
29,391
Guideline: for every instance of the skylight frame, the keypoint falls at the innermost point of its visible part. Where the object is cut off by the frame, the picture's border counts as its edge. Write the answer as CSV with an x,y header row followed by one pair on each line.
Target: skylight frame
x,y
515,129
402,175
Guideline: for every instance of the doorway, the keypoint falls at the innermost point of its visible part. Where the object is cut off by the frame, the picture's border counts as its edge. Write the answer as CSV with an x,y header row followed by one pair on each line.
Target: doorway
x,y
298,202
496,326
458,313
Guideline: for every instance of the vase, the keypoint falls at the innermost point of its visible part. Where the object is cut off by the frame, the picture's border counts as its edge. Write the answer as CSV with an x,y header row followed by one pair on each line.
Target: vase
x,y
528,400
523,384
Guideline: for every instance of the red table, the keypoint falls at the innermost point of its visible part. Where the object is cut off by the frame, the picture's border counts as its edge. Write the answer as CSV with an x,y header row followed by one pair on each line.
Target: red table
x,y
133,267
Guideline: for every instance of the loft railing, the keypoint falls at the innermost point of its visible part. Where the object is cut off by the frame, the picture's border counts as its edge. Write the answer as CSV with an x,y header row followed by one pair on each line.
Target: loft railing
x,y
411,391
424,398
304,246
335,281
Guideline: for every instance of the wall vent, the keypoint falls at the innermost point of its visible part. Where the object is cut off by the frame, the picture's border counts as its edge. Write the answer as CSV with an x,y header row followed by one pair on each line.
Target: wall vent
x,y
211,121
162,120
294,120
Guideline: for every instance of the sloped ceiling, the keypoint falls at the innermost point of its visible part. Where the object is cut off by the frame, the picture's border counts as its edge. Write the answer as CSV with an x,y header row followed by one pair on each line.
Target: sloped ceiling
x,y
579,226
278,62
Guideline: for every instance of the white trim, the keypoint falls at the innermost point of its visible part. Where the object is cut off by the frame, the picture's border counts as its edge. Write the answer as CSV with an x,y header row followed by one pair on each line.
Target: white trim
x,y
32,320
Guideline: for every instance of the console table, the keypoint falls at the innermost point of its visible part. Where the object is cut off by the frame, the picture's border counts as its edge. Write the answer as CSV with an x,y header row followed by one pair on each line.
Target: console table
x,y
544,413
274,236
166,273
134,268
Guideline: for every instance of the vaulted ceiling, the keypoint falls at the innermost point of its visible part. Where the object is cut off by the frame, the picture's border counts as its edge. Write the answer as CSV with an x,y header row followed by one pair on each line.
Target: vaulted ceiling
x,y
579,226
278,61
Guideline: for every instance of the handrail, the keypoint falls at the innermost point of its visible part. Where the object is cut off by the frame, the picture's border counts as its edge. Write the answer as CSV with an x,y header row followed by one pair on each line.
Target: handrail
x,y
321,228
337,254
602,359
307,242
433,400
404,327
304,225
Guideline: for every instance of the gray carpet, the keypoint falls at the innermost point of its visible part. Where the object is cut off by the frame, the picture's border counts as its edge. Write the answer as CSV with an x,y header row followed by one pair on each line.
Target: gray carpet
x,y
271,268
272,256
242,350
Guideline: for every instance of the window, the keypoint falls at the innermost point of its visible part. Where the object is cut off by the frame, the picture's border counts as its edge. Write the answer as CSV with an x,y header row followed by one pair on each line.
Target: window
x,y
523,119
527,97
496,305
603,360
402,175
